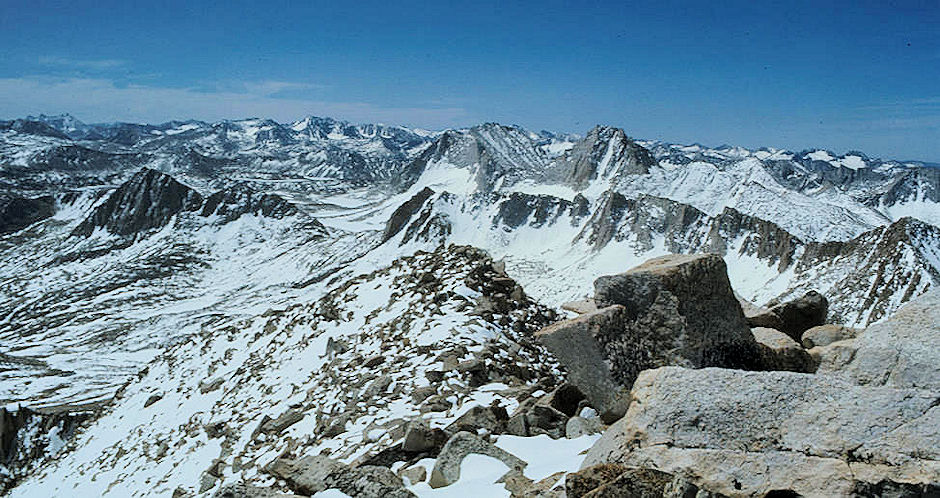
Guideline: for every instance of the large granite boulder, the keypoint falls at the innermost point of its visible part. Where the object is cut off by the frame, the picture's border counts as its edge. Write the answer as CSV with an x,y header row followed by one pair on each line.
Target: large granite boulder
x,y
801,314
901,351
581,345
673,310
750,433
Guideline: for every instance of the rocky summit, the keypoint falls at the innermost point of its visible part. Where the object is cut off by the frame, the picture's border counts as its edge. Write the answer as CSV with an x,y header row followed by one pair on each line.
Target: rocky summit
x,y
254,309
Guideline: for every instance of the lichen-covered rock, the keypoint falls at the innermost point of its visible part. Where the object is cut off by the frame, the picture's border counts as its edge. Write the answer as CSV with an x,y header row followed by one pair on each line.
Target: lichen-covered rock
x,y
673,310
620,481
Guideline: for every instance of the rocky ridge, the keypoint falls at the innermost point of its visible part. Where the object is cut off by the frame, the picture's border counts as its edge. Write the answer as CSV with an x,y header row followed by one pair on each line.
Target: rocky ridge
x,y
189,235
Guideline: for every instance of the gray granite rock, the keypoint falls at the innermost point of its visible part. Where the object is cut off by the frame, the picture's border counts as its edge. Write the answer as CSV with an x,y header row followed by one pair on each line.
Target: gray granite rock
x,y
748,433
673,310
447,467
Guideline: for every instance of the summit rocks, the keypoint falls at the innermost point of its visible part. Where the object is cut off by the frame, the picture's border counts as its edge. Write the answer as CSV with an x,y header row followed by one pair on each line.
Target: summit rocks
x,y
673,310
864,427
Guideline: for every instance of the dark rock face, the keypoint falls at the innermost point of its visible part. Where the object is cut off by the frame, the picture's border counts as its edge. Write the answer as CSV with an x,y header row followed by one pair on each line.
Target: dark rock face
x,y
607,148
913,184
537,210
32,127
674,298
25,439
801,314
405,212
19,212
882,253
148,200
674,310
233,202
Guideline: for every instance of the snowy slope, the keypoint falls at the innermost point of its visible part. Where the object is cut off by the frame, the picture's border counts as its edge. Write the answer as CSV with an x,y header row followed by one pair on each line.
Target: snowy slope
x,y
193,294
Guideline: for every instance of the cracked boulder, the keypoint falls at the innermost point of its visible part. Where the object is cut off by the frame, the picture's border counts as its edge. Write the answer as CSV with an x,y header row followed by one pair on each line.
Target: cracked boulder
x,y
750,433
672,310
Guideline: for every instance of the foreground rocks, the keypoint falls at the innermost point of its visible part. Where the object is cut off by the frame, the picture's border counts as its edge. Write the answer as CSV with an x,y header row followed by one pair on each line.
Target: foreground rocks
x,y
27,437
777,351
866,426
673,310
801,314
902,351
620,481
317,473
447,468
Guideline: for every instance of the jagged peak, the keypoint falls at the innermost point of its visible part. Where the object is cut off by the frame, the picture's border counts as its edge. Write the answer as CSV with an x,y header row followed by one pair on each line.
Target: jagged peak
x,y
149,199
240,198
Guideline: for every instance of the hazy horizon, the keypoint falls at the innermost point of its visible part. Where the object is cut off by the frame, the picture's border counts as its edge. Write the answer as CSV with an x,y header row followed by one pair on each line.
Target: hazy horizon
x,y
791,76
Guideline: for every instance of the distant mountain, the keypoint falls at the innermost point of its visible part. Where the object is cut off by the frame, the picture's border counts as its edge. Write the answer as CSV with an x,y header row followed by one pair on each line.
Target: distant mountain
x,y
271,274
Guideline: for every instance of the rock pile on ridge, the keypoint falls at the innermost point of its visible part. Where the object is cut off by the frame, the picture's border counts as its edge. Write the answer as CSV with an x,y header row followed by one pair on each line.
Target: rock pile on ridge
x,y
866,426
673,310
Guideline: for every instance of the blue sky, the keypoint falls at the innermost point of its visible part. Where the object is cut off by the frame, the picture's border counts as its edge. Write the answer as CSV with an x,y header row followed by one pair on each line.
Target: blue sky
x,y
840,75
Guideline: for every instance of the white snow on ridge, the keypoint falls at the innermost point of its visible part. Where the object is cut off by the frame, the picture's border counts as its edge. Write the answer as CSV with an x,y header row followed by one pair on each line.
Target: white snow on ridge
x,y
820,155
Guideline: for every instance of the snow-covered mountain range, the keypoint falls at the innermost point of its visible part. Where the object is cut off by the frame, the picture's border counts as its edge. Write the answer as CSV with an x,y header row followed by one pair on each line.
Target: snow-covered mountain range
x,y
152,260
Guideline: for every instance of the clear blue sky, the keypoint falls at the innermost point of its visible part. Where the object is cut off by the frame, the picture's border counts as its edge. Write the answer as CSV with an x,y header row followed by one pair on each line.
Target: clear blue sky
x,y
841,75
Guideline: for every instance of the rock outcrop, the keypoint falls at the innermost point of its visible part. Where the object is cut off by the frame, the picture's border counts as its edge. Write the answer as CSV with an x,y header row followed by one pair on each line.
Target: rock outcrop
x,y
28,436
237,200
405,212
673,310
17,213
902,351
868,425
148,200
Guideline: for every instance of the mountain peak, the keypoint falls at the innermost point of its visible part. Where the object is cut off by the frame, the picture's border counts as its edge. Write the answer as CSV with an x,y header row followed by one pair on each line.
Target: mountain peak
x,y
148,200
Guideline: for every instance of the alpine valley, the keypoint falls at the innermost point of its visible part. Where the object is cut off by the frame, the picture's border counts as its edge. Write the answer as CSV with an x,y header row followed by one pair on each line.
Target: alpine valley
x,y
252,308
